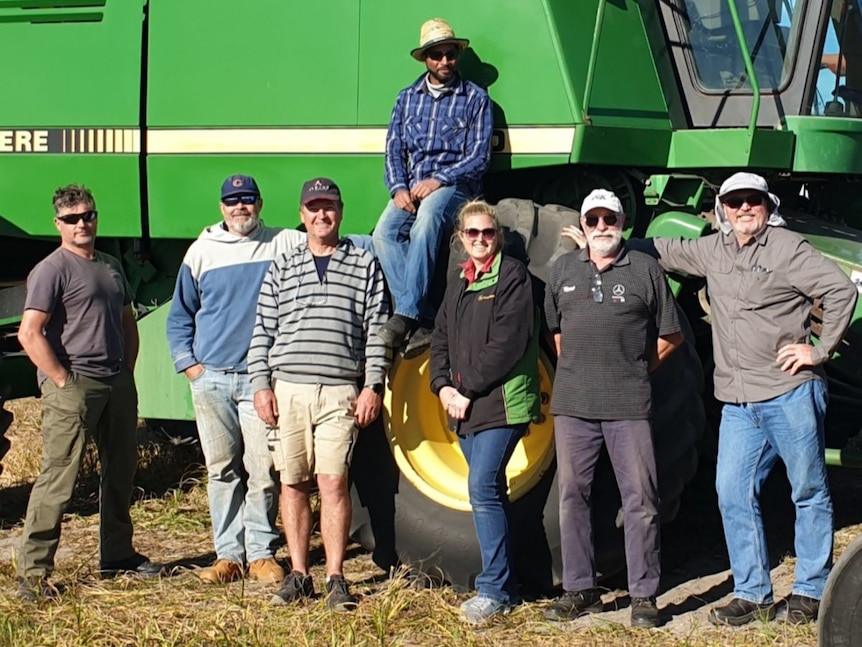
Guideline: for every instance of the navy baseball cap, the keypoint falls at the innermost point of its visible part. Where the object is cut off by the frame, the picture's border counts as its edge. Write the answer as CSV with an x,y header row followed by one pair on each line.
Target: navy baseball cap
x,y
239,185
319,187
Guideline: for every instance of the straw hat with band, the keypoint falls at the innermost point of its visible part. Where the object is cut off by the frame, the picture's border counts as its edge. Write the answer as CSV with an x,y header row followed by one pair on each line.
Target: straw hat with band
x,y
436,32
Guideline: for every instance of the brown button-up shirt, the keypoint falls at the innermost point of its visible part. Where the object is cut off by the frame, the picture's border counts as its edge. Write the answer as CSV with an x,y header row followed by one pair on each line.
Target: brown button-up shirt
x,y
760,299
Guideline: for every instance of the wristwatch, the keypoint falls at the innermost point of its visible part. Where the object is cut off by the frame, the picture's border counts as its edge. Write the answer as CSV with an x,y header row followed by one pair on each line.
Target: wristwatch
x,y
377,388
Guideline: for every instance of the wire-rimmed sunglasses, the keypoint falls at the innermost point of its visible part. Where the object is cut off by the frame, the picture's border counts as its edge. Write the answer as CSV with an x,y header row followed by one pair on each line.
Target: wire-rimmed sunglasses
x,y
73,218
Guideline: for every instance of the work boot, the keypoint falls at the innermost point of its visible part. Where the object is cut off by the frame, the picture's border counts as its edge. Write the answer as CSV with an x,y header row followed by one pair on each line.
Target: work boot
x,y
574,604
418,342
797,609
266,570
33,589
394,331
221,572
644,613
339,597
740,612
137,564
297,586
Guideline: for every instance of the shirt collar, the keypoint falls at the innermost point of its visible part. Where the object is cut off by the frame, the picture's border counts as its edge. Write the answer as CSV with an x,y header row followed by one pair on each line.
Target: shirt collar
x,y
472,274
622,257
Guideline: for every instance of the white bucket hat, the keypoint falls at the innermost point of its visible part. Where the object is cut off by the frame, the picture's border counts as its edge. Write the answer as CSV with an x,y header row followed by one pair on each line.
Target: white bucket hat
x,y
743,180
436,32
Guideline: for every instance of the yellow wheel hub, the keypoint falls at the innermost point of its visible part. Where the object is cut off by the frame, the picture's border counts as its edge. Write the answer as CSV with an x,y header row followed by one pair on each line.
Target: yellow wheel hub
x,y
428,454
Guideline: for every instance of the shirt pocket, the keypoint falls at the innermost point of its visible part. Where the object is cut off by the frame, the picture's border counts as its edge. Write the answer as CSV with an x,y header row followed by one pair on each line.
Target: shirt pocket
x,y
721,280
416,133
452,131
757,289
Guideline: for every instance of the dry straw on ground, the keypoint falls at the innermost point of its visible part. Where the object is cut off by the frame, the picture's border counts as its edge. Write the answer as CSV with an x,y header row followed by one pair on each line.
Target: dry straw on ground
x,y
172,525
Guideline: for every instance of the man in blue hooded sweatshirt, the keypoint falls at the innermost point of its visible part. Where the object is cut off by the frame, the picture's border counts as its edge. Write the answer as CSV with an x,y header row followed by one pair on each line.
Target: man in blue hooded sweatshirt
x,y
209,328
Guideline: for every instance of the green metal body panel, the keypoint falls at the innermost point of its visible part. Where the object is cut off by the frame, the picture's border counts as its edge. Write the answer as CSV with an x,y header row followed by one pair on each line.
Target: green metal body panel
x,y
826,144
730,149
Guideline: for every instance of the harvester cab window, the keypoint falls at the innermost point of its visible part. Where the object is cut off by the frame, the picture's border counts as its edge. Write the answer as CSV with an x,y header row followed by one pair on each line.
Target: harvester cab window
x,y
839,82
770,28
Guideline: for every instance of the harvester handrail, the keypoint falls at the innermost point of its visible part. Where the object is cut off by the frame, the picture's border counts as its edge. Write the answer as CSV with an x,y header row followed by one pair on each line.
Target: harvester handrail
x,y
594,54
749,68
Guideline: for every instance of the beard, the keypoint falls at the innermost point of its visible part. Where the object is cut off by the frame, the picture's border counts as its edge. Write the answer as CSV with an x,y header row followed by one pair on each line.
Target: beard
x,y
605,243
244,226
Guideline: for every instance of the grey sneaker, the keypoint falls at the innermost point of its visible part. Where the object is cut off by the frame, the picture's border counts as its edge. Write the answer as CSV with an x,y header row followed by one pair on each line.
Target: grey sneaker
x,y
339,597
481,609
33,589
296,587
574,604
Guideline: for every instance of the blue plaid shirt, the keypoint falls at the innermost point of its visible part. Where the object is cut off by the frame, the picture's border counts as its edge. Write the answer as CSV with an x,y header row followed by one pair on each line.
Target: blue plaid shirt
x,y
447,138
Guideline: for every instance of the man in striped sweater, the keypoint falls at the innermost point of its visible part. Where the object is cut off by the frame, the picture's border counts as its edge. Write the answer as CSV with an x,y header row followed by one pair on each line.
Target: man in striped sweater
x,y
317,368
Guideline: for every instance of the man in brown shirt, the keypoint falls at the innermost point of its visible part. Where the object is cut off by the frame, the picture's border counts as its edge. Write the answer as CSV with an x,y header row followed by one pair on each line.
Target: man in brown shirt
x,y
762,281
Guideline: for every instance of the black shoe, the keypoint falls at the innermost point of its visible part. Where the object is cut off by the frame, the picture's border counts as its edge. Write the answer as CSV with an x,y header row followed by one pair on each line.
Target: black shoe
x,y
33,589
137,564
574,604
296,587
419,341
740,612
414,578
644,613
339,597
394,331
797,609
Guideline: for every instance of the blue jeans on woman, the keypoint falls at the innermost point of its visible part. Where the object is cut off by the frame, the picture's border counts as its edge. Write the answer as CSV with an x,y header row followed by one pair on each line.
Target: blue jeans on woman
x,y
487,453
406,245
752,437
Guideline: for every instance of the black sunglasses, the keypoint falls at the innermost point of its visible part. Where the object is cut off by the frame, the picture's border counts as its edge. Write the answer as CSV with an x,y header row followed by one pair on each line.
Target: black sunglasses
x,y
596,289
437,55
234,200
592,221
73,218
753,200
472,233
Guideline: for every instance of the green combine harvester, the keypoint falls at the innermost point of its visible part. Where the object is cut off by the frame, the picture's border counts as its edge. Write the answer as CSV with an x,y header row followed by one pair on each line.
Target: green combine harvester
x,y
152,103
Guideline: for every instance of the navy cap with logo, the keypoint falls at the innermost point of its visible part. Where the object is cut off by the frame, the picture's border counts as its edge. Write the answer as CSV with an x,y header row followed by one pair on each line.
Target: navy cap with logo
x,y
239,185
319,188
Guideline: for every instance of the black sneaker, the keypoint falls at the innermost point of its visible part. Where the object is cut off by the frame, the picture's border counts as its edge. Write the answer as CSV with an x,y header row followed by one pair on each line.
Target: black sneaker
x,y
394,331
797,609
339,597
644,613
137,564
740,612
296,587
574,604
419,341
33,589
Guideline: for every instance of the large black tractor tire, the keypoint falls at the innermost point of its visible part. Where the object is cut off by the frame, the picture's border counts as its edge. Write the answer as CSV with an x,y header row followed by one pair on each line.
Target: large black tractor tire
x,y
402,523
840,620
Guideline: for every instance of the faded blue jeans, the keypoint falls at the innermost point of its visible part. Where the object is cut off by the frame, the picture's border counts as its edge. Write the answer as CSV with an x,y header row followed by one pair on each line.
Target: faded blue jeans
x,y
487,453
243,486
406,245
752,437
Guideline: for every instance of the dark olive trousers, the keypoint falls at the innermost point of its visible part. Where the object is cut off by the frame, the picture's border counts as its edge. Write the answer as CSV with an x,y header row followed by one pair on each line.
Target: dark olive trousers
x,y
106,410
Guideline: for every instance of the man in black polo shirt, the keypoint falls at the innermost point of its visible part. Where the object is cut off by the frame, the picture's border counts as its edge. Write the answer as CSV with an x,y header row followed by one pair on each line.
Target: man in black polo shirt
x,y
614,321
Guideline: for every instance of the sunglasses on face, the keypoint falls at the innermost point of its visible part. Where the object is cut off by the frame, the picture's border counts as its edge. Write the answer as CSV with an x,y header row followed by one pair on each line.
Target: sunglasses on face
x,y
73,218
592,221
234,200
437,55
753,200
473,234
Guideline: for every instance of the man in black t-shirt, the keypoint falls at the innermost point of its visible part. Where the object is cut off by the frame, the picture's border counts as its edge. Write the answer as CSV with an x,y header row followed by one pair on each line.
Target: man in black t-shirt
x,y
614,321
79,329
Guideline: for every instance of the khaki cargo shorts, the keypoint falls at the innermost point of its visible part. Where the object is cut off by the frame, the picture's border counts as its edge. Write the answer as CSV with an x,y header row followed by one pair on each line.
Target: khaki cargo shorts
x,y
316,430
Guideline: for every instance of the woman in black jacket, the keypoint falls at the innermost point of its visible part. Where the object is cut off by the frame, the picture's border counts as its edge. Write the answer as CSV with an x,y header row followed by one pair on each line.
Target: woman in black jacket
x,y
484,369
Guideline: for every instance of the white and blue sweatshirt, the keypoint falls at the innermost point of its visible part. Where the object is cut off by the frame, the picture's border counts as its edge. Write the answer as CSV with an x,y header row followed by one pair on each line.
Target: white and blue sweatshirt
x,y
211,318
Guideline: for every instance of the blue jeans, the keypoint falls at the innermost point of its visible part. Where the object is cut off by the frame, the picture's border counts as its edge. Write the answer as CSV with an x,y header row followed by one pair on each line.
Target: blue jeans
x,y
751,438
487,453
242,489
406,245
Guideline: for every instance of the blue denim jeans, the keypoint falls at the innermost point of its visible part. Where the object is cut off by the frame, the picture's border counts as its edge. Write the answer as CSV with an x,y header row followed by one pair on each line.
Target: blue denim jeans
x,y
406,245
242,489
751,438
487,453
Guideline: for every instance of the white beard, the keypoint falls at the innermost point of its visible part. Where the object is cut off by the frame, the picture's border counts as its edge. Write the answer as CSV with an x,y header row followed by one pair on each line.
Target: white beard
x,y
605,243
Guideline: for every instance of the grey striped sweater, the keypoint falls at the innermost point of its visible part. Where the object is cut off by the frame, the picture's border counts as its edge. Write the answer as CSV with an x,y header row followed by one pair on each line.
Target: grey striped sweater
x,y
320,332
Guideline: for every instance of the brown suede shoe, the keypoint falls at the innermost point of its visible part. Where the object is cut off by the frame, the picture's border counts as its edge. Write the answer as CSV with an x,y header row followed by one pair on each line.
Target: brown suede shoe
x,y
221,572
266,570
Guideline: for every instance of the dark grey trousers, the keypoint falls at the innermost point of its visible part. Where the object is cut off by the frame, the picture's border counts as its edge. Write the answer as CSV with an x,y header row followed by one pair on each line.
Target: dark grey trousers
x,y
630,446
106,410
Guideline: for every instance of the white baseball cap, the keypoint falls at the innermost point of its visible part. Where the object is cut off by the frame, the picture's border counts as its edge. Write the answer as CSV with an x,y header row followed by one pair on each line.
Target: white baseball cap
x,y
601,198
